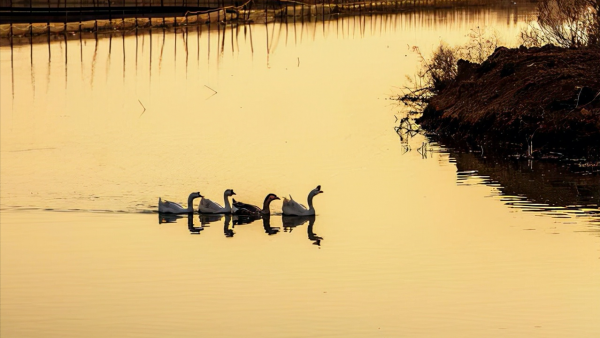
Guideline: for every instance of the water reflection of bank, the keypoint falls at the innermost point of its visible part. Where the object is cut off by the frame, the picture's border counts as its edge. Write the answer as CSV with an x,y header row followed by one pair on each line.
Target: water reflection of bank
x,y
553,188
543,182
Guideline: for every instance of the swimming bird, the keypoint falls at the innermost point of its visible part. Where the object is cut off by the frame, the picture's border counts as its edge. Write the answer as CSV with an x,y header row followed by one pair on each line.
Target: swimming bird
x,y
293,208
168,207
240,208
209,207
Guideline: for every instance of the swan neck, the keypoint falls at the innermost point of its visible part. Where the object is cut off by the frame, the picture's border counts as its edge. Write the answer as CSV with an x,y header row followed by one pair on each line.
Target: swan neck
x,y
310,199
227,205
265,209
190,205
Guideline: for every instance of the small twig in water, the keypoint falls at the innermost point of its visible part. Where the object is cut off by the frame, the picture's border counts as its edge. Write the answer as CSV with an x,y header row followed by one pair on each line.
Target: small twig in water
x,y
214,92
142,107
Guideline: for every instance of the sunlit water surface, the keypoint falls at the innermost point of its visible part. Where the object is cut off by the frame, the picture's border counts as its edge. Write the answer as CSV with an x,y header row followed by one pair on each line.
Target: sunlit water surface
x,y
94,131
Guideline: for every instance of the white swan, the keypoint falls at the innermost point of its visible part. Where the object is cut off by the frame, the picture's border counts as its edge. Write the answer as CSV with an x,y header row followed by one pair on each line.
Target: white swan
x,y
209,207
293,208
240,208
168,207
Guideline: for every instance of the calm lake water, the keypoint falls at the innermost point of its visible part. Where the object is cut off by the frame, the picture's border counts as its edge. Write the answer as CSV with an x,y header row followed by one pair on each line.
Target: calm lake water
x,y
407,242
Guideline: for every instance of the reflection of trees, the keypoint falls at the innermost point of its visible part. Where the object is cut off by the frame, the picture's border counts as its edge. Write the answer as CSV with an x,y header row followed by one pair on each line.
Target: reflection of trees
x,y
407,128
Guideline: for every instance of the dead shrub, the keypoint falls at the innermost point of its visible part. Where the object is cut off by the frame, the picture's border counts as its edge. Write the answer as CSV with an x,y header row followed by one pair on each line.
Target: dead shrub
x,y
564,23
438,71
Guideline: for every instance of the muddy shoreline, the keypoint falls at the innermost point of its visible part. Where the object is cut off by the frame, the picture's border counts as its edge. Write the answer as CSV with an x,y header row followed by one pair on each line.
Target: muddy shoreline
x,y
526,102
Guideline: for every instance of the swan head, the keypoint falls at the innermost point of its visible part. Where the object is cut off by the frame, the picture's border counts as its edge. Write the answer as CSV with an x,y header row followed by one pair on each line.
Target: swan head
x,y
195,195
271,197
229,192
316,191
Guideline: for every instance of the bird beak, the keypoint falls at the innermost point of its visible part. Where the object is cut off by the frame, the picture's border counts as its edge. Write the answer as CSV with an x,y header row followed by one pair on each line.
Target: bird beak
x,y
276,198
233,193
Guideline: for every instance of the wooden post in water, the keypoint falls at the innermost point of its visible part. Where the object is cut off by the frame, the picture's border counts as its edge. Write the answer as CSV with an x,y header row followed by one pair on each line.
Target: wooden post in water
x,y
123,35
12,67
150,55
80,45
31,50
66,50
198,27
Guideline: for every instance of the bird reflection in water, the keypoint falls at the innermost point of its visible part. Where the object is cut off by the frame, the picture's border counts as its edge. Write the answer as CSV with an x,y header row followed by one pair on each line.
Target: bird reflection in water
x,y
228,231
206,219
193,230
230,221
290,222
173,218
244,219
236,220
168,218
267,225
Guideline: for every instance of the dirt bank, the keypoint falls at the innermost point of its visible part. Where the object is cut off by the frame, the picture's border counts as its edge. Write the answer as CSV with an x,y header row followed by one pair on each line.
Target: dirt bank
x,y
534,102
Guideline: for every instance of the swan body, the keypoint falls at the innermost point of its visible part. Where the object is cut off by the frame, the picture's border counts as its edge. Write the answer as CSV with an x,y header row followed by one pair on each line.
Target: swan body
x,y
168,207
293,208
209,207
240,208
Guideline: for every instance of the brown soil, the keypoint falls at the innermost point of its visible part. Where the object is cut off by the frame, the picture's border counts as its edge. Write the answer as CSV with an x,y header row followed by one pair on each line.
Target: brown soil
x,y
548,95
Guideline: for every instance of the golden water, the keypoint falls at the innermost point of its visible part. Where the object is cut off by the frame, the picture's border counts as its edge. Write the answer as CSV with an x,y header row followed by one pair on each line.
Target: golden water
x,y
94,131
